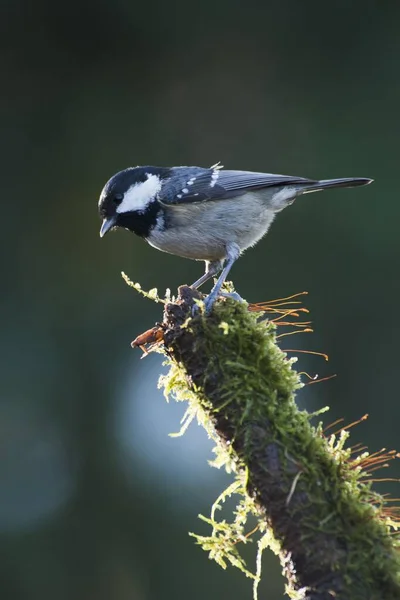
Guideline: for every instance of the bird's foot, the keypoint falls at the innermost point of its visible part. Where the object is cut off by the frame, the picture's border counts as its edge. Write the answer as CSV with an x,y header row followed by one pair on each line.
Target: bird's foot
x,y
208,302
233,295
211,298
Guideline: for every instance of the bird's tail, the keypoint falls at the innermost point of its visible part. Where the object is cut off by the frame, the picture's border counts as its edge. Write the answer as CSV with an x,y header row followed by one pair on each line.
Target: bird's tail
x,y
288,194
343,182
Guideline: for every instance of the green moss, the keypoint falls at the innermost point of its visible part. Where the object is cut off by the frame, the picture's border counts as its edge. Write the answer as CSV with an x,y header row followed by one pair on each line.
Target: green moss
x,y
310,498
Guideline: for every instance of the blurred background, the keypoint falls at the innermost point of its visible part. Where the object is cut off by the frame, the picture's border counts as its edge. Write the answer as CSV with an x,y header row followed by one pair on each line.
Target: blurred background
x,y
96,500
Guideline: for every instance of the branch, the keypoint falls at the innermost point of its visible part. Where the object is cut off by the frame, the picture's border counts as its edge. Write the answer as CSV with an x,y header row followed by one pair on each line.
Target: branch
x,y
310,495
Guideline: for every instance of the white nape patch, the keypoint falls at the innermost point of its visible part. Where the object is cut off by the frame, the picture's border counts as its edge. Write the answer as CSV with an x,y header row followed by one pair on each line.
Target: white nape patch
x,y
214,177
140,195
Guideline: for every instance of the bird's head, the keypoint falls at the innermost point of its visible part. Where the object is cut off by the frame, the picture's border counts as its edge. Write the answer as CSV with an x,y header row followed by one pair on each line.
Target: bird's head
x,y
129,200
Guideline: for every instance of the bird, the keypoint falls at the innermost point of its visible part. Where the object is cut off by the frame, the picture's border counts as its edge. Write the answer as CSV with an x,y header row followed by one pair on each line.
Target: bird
x,y
205,214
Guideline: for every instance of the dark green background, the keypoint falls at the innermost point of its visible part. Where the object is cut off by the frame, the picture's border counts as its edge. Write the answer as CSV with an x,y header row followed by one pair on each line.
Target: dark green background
x,y
96,499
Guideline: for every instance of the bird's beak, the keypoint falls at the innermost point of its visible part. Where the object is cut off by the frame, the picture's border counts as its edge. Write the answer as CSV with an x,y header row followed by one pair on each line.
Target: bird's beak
x,y
106,225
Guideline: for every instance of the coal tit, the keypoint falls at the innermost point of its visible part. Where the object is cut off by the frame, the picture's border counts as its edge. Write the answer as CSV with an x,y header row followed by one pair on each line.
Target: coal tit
x,y
203,214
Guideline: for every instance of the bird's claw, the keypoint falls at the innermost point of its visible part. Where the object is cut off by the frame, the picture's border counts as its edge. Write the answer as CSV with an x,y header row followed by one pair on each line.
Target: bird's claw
x,y
233,296
211,298
208,304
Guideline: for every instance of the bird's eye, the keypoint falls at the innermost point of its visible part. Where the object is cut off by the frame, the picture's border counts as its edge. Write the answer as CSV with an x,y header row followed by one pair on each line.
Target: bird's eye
x,y
118,198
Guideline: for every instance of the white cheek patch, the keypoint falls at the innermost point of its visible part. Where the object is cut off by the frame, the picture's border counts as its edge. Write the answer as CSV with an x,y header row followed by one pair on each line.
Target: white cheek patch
x,y
140,195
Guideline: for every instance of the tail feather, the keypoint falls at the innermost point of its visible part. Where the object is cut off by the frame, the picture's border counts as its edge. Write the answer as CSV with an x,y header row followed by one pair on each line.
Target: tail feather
x,y
343,182
288,194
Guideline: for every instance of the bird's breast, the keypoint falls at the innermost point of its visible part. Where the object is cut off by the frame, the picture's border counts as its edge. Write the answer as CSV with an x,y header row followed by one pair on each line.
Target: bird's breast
x,y
201,231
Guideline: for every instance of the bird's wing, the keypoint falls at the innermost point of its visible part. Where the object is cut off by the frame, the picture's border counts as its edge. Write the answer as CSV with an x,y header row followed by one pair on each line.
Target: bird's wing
x,y
193,184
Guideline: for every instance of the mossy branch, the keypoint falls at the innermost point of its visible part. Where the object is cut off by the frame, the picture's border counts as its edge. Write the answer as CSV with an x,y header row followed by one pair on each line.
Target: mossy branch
x,y
311,496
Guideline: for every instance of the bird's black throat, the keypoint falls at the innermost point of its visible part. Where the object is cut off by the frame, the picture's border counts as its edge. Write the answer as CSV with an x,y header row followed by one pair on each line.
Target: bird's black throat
x,y
141,222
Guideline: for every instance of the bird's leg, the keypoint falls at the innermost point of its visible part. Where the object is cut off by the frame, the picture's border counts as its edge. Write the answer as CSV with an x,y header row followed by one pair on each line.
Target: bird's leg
x,y
212,268
232,254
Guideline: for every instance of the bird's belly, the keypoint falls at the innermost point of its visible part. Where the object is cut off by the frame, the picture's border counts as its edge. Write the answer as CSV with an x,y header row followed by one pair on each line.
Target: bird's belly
x,y
188,245
202,231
